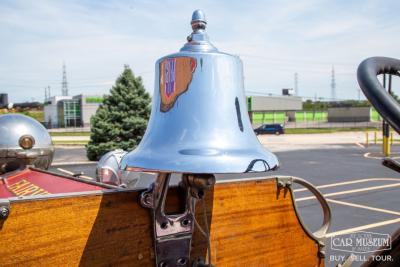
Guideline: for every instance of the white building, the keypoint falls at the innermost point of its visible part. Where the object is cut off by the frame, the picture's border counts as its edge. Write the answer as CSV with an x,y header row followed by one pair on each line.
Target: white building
x,y
70,111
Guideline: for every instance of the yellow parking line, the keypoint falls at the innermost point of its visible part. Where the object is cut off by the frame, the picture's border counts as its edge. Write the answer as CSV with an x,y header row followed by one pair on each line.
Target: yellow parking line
x,y
350,182
352,191
362,227
362,206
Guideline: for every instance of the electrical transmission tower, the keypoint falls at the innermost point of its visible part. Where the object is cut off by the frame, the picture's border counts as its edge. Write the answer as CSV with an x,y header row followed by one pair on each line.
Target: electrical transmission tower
x,y
333,85
296,84
64,84
47,93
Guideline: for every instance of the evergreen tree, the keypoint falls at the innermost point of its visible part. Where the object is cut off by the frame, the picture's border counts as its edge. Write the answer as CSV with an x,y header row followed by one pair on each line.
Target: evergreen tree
x,y
121,120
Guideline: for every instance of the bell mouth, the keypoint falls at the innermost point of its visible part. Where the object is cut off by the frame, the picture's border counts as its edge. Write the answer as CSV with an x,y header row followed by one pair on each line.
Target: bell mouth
x,y
211,161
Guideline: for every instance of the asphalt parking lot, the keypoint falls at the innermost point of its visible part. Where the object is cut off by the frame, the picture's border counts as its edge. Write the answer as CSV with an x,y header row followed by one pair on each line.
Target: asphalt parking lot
x,y
363,194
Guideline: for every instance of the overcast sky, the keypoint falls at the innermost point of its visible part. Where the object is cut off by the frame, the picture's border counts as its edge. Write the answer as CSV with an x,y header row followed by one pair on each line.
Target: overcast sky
x,y
275,39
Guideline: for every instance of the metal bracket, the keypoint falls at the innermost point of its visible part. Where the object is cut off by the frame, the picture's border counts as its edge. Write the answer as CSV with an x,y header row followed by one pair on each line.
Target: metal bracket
x,y
4,209
286,182
173,233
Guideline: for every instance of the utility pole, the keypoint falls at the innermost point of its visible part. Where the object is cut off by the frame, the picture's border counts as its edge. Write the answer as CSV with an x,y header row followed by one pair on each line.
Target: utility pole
x,y
64,84
296,84
333,84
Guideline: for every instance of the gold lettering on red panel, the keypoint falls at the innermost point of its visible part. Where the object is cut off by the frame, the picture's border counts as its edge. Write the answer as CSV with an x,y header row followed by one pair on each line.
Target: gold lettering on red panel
x,y
26,188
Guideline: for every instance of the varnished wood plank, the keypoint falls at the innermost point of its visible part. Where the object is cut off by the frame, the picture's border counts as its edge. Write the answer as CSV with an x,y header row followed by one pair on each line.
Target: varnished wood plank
x,y
88,231
251,225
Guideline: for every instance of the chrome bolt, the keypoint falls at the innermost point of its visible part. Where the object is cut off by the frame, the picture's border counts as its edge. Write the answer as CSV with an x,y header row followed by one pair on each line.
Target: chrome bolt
x,y
4,212
164,225
181,261
185,222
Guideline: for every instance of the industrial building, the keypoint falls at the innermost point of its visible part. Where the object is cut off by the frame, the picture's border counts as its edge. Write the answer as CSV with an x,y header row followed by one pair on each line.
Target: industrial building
x,y
274,103
273,108
350,114
70,111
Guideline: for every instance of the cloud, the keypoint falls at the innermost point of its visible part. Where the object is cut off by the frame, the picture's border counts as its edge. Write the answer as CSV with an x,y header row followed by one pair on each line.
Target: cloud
x,y
275,39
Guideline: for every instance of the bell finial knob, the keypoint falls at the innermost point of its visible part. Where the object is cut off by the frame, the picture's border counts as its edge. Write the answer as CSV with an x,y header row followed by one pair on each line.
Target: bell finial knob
x,y
198,41
198,20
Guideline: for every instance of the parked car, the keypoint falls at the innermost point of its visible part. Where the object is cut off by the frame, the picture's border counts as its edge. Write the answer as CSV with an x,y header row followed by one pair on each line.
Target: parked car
x,y
270,129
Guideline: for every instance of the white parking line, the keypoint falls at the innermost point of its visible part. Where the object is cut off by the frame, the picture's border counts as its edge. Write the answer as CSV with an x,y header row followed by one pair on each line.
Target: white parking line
x,y
65,171
352,191
71,173
360,145
350,182
362,206
380,156
362,227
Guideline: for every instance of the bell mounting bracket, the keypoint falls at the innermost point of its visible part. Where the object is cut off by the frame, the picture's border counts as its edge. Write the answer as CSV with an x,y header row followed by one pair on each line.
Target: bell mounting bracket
x,y
173,232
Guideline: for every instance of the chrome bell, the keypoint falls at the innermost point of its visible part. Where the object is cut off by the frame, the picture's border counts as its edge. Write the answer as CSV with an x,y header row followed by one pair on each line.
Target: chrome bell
x,y
199,121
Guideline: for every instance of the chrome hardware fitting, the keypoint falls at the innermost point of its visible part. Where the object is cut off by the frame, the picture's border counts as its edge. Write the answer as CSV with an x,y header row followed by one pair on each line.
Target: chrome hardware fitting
x,y
173,232
4,209
286,182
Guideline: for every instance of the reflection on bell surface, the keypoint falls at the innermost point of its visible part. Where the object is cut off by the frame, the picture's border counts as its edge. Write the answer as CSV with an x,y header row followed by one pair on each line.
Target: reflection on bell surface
x,y
199,121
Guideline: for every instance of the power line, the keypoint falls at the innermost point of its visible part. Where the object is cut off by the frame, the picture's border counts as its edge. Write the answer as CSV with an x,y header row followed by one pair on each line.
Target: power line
x,y
300,61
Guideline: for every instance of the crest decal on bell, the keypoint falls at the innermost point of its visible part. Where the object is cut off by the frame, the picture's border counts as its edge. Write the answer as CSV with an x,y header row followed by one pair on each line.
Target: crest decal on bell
x,y
199,121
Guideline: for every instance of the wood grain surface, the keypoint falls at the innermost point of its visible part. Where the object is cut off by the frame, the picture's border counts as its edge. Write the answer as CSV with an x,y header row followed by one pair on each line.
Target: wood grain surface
x,y
251,225
100,230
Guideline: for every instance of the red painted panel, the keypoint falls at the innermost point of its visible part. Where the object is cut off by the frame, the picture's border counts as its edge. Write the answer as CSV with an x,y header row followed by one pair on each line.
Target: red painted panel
x,y
30,182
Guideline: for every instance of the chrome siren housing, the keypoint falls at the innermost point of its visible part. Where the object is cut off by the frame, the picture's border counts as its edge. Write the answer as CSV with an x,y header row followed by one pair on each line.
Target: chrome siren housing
x,y
24,141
